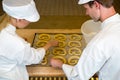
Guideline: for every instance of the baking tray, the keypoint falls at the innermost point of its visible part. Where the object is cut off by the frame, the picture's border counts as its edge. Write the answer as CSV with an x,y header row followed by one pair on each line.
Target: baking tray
x,y
69,46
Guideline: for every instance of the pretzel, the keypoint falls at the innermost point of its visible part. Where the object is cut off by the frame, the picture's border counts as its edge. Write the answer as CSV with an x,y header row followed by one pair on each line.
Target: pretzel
x,y
75,37
61,44
41,43
61,58
60,37
74,51
74,44
44,61
45,37
47,52
73,60
59,51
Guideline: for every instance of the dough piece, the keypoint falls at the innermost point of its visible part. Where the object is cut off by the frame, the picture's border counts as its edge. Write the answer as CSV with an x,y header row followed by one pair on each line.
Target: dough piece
x,y
61,44
73,60
60,37
74,51
61,58
74,44
41,43
59,51
75,37
47,52
44,61
45,37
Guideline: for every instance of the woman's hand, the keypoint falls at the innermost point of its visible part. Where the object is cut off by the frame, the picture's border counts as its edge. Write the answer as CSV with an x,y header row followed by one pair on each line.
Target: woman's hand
x,y
50,44
53,43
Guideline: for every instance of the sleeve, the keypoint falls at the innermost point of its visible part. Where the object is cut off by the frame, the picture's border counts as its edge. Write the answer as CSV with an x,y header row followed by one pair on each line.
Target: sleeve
x,y
18,50
27,55
70,72
32,55
90,62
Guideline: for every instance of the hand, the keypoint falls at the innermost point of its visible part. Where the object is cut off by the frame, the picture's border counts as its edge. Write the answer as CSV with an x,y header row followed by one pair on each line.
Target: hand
x,y
53,43
56,63
50,44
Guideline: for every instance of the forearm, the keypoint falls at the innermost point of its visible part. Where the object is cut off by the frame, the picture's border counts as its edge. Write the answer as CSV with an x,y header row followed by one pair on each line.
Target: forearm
x,y
47,46
68,70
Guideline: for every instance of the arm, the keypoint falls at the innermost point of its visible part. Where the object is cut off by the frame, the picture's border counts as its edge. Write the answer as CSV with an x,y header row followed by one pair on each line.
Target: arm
x,y
68,70
34,56
90,62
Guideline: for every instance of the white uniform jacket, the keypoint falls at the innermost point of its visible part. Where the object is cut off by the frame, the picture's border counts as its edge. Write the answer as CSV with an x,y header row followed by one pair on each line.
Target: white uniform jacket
x,y
15,54
101,55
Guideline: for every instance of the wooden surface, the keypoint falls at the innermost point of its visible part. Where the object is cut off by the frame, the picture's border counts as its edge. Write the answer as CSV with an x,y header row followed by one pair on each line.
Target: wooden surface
x,y
45,71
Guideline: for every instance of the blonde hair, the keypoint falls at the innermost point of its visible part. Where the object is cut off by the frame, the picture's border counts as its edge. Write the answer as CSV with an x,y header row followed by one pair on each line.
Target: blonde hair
x,y
4,20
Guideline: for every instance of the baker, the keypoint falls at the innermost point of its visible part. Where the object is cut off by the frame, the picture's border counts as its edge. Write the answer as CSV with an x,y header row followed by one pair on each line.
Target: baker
x,y
102,54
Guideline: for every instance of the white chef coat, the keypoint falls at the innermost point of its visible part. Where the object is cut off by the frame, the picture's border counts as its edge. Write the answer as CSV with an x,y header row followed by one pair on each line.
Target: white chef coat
x,y
101,55
15,54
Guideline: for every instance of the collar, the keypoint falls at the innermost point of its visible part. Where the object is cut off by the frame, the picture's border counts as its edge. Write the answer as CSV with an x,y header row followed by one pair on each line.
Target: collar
x,y
10,28
113,18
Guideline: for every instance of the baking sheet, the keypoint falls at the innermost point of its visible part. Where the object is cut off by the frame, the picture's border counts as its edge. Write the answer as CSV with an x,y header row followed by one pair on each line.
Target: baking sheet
x,y
62,52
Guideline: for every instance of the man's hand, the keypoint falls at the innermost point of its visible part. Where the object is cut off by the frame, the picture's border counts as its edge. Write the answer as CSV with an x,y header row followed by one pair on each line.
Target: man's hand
x,y
56,63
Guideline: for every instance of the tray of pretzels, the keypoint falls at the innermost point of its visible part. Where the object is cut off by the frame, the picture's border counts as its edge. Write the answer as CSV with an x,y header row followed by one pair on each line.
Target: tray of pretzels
x,y
69,49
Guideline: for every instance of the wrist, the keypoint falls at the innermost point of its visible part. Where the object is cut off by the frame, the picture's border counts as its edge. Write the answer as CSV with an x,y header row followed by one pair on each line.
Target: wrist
x,y
60,65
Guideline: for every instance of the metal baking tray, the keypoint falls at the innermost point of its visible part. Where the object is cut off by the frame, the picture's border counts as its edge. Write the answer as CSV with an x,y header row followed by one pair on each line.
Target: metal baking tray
x,y
66,51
